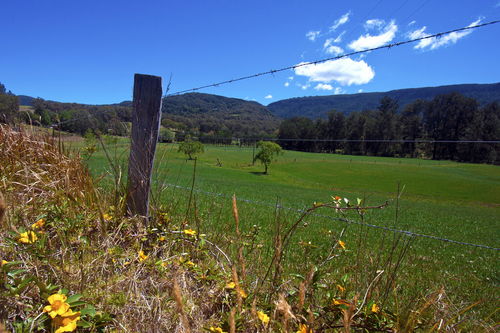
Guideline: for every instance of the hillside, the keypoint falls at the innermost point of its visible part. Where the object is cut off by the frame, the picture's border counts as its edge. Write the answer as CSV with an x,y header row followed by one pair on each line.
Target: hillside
x,y
218,115
318,106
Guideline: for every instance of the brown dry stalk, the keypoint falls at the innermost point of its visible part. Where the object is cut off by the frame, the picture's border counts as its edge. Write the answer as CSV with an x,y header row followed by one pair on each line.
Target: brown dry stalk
x,y
348,314
239,298
176,294
241,258
3,208
232,321
302,296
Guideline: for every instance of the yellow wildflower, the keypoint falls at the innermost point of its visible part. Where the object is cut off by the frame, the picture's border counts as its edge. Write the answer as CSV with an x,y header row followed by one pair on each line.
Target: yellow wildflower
x,y
27,237
190,263
216,329
340,288
304,329
67,321
341,302
58,305
263,317
190,232
142,256
161,238
38,224
4,262
230,285
107,217
342,244
242,293
375,308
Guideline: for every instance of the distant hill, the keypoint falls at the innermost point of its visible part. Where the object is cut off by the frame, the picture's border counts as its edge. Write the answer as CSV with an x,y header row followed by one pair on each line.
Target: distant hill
x,y
318,106
220,115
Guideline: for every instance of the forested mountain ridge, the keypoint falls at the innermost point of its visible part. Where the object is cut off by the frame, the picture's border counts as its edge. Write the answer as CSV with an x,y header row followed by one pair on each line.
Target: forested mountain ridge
x,y
219,115
318,106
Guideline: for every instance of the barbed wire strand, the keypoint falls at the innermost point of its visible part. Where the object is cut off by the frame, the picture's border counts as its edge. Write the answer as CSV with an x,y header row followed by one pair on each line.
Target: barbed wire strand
x,y
405,232
386,46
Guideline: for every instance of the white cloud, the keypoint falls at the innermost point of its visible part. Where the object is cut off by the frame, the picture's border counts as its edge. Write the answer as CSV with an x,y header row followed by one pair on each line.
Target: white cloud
x,y
374,23
269,96
412,23
338,91
323,86
312,35
338,39
434,42
303,86
290,78
342,20
360,90
335,50
368,41
344,71
332,49
287,84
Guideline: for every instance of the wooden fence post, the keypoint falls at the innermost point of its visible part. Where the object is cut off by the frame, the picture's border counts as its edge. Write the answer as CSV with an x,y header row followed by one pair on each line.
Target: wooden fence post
x,y
145,127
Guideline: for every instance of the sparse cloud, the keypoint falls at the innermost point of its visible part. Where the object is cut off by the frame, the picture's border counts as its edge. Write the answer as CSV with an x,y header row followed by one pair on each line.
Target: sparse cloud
x,y
332,49
370,41
312,35
303,86
434,43
360,91
338,39
412,23
269,96
323,86
338,91
290,78
345,71
340,21
374,24
287,84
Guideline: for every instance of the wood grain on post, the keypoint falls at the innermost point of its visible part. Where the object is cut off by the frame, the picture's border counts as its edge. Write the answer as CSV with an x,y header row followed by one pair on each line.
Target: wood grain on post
x,y
145,127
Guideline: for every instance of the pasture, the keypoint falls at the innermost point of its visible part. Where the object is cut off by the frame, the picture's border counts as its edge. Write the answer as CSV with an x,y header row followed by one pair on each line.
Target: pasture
x,y
456,201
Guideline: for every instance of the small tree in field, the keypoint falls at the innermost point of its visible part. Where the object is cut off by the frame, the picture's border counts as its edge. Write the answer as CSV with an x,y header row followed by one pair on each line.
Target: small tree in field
x,y
191,148
267,153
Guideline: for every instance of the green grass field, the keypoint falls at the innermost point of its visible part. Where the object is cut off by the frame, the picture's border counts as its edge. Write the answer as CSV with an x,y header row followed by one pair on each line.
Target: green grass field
x,y
446,199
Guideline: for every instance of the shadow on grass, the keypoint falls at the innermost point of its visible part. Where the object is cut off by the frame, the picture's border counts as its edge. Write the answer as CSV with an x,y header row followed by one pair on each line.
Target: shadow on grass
x,y
258,173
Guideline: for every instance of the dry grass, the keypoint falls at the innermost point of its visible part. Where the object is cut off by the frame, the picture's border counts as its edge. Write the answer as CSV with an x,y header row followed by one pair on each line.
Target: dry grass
x,y
181,283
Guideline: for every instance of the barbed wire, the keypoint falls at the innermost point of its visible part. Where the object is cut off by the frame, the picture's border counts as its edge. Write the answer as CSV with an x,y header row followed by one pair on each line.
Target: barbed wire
x,y
386,46
340,219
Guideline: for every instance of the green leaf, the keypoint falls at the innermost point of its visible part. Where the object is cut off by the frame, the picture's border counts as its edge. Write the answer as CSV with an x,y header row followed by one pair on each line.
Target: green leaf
x,y
84,324
13,273
88,310
78,303
73,298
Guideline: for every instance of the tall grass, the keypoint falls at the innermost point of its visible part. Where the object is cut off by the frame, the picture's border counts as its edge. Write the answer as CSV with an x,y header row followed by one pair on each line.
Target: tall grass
x,y
199,265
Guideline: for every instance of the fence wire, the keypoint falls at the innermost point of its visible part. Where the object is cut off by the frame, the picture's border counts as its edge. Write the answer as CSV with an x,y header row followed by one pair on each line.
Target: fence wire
x,y
339,219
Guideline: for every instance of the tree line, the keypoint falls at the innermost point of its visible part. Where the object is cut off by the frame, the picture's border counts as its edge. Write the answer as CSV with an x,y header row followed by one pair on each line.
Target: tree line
x,y
450,117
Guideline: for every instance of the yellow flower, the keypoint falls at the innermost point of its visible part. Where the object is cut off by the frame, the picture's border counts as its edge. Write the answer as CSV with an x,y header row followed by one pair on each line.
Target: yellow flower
x,y
161,238
190,263
342,244
242,293
340,288
58,305
216,329
27,237
190,232
67,321
107,217
38,224
230,285
142,256
304,329
263,317
4,262
375,308
341,302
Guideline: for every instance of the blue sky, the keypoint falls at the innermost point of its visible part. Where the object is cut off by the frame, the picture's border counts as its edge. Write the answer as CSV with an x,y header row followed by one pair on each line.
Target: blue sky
x,y
87,51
